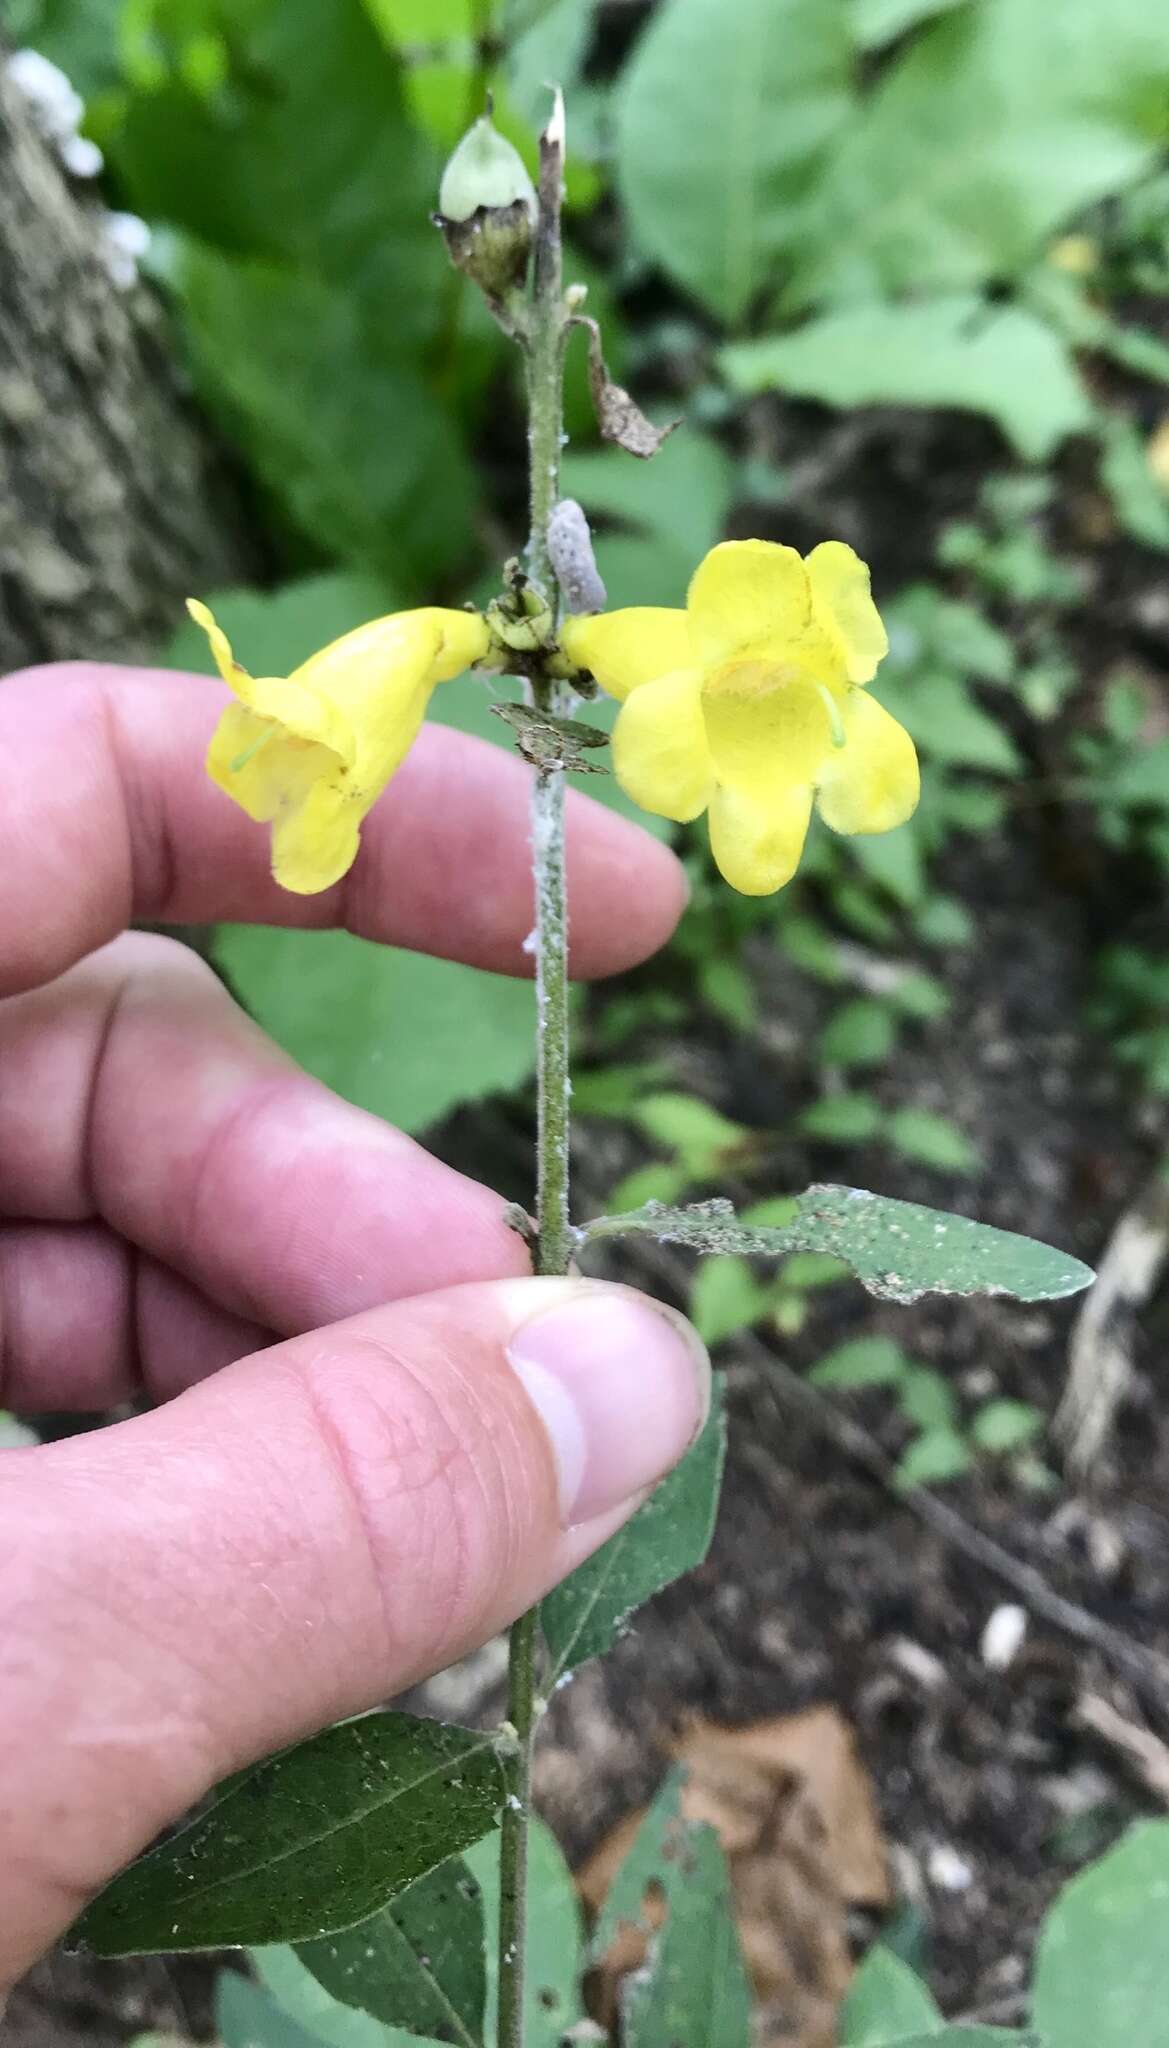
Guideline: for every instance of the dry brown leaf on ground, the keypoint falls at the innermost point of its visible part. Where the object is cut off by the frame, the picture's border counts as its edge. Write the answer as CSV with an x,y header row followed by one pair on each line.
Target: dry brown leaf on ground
x,y
794,1810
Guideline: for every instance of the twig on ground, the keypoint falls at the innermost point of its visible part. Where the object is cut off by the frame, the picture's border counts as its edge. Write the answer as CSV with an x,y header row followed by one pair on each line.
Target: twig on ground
x,y
1101,1349
1145,1752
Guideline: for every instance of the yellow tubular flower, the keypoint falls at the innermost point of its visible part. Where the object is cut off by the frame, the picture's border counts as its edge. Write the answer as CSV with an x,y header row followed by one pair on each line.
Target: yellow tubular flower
x,y
310,753
751,703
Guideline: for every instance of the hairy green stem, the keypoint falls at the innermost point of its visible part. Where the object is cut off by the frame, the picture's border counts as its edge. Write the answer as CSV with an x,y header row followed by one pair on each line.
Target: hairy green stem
x,y
545,374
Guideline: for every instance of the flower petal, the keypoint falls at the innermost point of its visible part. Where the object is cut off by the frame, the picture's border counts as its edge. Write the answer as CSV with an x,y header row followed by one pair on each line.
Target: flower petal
x,y
315,842
842,601
660,754
768,729
757,845
302,712
261,766
748,596
872,783
628,648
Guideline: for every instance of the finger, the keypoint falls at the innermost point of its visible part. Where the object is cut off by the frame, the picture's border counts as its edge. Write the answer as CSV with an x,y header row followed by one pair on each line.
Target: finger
x,y
106,815
135,1091
297,1539
87,1321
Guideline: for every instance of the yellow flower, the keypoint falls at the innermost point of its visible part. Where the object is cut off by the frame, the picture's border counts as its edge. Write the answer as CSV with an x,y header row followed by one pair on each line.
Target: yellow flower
x,y
749,703
310,753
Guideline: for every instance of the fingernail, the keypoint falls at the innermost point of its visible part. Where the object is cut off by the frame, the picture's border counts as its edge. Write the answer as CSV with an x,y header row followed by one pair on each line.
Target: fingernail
x,y
622,1387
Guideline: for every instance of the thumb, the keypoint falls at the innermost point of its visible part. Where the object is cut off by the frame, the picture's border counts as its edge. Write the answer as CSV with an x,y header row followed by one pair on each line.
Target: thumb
x,y
297,1538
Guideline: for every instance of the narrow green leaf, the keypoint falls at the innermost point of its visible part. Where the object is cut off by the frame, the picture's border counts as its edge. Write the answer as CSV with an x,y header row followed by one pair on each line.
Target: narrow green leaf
x,y
246,2017
898,1250
885,2002
418,1963
1102,1967
668,1536
552,2005
693,1987
315,1839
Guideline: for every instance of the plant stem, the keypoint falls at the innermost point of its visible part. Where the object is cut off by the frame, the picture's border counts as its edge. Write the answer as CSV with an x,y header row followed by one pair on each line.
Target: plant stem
x,y
545,372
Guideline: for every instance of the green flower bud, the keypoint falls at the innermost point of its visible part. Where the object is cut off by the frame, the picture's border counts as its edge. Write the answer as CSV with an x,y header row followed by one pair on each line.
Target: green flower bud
x,y
484,171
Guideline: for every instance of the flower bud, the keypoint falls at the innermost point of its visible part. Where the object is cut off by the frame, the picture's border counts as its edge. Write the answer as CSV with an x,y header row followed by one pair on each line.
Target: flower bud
x,y
484,171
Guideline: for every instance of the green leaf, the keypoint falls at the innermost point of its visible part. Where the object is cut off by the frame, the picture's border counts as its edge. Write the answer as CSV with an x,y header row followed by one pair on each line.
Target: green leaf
x,y
932,1458
954,351
298,1993
668,1536
974,2037
864,1362
920,995
898,1250
880,21
724,117
726,1298
860,1034
246,2017
338,421
684,494
943,921
999,122
885,2002
1003,1426
418,1963
1102,1966
388,1030
948,723
552,1993
841,1119
693,1986
686,1124
934,1140
926,1398
316,1839
1141,501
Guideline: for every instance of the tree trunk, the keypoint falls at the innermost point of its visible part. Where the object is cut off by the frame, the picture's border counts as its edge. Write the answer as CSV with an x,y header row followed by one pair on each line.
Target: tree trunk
x,y
114,500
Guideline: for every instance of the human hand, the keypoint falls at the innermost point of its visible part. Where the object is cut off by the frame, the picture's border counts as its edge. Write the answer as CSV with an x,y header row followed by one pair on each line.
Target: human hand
x,y
380,1438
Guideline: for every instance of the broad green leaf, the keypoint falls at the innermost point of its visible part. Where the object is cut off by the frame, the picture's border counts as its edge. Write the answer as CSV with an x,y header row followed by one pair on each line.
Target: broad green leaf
x,y
1003,1426
417,1964
316,1839
934,1140
337,419
686,1124
552,1993
693,1986
667,1537
999,121
247,2017
885,2002
1102,1966
299,1994
273,631
863,1362
898,1250
724,116
861,1033
397,1033
953,351
932,1458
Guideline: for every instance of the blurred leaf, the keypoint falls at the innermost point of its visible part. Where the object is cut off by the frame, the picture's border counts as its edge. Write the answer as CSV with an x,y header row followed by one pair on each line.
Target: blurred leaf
x,y
668,1536
897,1250
974,2037
885,2002
955,351
920,995
947,722
863,1362
341,428
724,115
841,1119
298,1993
1141,501
1003,1426
932,1458
552,2006
418,1963
397,1033
997,123
860,1034
1102,1965
82,40
926,1398
729,991
934,1140
316,1838
246,2017
880,21
686,1124
894,860
684,494
726,1297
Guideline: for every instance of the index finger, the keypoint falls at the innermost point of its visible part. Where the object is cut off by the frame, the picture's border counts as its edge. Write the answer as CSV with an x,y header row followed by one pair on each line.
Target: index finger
x,y
106,816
